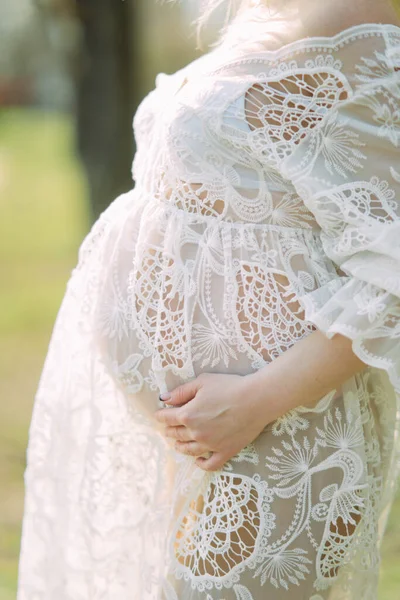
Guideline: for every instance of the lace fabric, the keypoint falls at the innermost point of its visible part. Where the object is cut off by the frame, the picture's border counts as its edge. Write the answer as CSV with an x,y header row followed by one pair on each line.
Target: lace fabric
x,y
266,204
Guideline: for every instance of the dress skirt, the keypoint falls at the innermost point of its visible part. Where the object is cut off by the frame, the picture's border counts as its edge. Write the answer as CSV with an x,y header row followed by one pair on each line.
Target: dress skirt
x,y
113,511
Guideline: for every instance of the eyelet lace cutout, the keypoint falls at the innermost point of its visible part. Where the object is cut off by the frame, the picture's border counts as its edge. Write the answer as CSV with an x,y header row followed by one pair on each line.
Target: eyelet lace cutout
x,y
268,313
163,331
266,205
287,108
220,531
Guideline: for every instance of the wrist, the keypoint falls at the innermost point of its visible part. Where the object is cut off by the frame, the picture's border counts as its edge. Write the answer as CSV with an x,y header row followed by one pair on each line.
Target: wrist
x,y
263,396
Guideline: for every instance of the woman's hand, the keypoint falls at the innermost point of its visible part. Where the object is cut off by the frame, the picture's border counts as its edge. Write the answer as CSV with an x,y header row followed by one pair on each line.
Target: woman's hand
x,y
212,413
224,413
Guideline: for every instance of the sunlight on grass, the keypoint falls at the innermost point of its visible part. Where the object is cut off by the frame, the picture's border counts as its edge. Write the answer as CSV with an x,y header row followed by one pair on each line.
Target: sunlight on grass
x,y
42,221
43,218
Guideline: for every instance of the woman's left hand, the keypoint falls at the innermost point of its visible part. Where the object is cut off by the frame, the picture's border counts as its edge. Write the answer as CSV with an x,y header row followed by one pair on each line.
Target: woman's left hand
x,y
212,413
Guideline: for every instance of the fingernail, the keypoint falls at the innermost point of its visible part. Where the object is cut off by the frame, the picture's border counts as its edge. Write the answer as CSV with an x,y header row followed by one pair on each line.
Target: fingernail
x,y
165,396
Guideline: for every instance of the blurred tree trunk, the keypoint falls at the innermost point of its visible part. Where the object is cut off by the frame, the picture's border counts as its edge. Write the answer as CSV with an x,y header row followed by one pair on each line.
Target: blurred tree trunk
x,y
107,95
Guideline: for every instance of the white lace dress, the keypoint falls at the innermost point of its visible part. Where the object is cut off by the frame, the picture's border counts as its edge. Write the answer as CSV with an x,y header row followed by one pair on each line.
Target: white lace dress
x,y
266,204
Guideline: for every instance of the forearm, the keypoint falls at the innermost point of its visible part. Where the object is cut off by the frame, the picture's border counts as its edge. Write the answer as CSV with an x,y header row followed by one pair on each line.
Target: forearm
x,y
303,374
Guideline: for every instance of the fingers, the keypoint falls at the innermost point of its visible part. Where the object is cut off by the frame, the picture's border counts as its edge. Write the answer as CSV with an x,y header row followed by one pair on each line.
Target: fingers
x,y
183,393
179,433
191,448
214,463
169,416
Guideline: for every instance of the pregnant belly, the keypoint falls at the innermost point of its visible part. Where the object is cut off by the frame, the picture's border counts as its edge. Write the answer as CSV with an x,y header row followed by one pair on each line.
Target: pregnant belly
x,y
182,296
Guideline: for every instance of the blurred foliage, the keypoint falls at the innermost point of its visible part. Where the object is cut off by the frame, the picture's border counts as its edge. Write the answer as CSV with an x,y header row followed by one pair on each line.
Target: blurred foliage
x,y
43,218
40,42
96,59
168,37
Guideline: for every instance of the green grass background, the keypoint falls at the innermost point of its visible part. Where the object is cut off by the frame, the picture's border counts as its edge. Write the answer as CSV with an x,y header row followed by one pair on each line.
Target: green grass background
x,y
43,218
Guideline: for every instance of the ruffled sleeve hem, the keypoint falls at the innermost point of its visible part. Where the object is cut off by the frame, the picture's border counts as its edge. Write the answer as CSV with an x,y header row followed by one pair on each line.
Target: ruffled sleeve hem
x,y
364,313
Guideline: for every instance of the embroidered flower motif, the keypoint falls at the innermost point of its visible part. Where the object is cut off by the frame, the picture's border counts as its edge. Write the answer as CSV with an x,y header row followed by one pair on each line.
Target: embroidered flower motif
x,y
113,319
390,120
247,454
290,212
372,68
339,432
284,567
386,114
266,258
211,346
152,380
289,423
242,592
128,373
339,146
370,301
293,462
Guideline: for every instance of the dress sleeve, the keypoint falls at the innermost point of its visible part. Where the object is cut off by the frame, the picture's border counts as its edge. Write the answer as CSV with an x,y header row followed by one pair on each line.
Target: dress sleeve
x,y
347,172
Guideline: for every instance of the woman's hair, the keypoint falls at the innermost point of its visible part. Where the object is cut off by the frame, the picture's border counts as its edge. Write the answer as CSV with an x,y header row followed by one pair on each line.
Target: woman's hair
x,y
226,9
207,7
273,12
232,10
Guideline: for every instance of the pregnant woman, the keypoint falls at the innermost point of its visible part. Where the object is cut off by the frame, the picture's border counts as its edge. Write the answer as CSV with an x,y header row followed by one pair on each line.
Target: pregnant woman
x,y
252,280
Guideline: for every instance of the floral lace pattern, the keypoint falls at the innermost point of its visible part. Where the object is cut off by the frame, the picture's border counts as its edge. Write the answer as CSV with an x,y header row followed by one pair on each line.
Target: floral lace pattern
x,y
266,204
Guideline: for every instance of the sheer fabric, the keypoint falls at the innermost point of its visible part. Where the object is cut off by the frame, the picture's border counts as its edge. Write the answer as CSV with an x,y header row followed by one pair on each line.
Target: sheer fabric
x,y
266,204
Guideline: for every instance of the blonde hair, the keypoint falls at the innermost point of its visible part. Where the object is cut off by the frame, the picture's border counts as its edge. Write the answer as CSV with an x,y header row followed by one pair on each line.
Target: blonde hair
x,y
207,7
232,10
231,7
273,12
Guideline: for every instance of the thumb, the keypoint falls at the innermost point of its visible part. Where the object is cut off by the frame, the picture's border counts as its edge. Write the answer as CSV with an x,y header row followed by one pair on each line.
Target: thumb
x,y
181,394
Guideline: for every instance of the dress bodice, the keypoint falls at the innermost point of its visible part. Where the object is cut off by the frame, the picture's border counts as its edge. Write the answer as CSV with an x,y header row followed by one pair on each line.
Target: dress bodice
x,y
212,136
